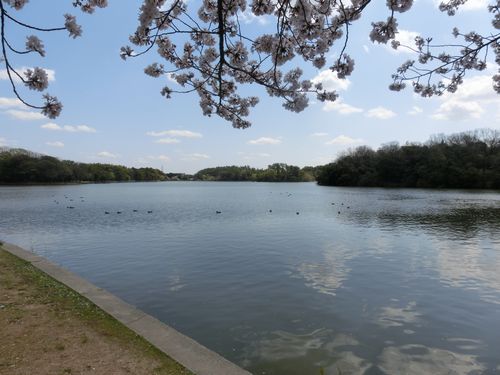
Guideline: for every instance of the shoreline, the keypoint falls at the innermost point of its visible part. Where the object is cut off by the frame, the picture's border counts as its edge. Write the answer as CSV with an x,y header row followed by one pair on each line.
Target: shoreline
x,y
187,352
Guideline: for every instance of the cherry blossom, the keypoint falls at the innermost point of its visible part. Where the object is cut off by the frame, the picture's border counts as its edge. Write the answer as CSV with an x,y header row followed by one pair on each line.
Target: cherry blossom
x,y
206,51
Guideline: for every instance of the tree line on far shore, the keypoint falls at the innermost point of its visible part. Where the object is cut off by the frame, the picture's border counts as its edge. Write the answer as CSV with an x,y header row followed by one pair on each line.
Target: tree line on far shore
x,y
25,167
277,172
469,160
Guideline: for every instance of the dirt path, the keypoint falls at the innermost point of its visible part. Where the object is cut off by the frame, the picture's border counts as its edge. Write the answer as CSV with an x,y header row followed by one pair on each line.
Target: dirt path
x,y
46,328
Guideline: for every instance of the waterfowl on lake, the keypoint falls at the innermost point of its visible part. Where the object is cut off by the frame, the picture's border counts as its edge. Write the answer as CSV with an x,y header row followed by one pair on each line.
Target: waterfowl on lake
x,y
218,212
106,212
118,212
135,210
150,212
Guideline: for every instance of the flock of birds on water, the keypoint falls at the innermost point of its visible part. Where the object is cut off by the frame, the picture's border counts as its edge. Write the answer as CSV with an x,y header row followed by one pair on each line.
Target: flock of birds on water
x,y
82,200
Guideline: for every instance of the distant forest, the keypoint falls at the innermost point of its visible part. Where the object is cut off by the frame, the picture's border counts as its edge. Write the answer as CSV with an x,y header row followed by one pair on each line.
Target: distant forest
x,y
22,166
278,172
469,160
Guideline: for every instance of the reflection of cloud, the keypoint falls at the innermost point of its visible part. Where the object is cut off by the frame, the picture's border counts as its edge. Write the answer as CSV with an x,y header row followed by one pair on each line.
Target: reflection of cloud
x,y
465,344
348,363
469,267
399,316
296,348
282,345
175,284
419,359
328,275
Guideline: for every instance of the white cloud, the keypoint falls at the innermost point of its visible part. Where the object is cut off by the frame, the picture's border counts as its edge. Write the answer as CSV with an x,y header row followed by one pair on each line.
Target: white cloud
x,y
10,102
318,134
55,144
380,113
415,110
164,158
195,157
24,115
341,107
330,81
175,133
248,17
68,128
344,140
167,141
51,126
51,74
265,141
469,101
252,156
107,155
3,142
366,48
456,110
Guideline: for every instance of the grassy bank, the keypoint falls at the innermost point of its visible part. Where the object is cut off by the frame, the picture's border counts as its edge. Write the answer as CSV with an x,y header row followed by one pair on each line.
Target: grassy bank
x,y
48,328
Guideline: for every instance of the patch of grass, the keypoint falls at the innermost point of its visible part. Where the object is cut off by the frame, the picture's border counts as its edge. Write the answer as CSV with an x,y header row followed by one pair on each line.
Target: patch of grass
x,y
64,301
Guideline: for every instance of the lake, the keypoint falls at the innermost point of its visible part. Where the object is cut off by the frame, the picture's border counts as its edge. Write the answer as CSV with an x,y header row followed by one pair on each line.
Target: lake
x,y
289,278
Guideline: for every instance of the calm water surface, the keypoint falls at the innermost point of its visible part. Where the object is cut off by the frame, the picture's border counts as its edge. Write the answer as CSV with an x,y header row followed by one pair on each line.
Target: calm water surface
x,y
361,281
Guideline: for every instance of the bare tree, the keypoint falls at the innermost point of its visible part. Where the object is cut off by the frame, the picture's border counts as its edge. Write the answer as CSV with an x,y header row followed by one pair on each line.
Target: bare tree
x,y
208,52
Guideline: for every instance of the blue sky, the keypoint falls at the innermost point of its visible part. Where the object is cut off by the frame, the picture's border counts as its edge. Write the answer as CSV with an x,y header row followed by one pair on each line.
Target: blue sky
x,y
114,113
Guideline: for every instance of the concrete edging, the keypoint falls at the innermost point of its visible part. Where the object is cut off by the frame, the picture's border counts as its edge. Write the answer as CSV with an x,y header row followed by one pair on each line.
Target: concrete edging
x,y
186,351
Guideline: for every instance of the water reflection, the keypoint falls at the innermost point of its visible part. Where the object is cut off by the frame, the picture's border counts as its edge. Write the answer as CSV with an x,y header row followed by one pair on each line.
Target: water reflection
x,y
453,223
328,274
281,352
472,267
399,316
400,281
417,359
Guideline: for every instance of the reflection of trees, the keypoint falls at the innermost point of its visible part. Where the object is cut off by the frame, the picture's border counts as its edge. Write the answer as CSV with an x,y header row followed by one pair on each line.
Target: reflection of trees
x,y
461,221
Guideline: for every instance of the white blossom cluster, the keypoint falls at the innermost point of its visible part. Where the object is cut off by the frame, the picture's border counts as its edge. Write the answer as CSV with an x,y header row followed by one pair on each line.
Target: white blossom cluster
x,y
435,71
33,43
36,78
207,50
